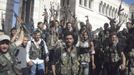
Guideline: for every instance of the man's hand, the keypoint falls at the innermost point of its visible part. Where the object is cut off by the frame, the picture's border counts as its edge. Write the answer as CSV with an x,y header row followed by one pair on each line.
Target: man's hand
x,y
122,67
93,66
30,63
47,58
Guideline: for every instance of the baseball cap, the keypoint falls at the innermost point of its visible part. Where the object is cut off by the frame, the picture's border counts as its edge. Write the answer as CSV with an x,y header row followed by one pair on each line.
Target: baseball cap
x,y
4,37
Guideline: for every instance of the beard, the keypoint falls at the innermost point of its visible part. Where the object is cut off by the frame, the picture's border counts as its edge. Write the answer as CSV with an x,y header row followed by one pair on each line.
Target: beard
x,y
69,44
115,42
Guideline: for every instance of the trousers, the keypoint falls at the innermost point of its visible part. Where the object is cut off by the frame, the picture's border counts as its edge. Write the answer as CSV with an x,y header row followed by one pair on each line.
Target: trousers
x,y
38,69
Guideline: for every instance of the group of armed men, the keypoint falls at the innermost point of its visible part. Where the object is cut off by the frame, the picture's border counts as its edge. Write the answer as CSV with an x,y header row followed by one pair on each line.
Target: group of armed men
x,y
62,49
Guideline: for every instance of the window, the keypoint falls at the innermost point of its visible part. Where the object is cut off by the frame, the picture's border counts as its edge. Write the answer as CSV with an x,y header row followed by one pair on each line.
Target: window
x,y
62,2
80,2
100,7
90,3
85,3
116,13
68,1
107,9
113,10
103,8
110,11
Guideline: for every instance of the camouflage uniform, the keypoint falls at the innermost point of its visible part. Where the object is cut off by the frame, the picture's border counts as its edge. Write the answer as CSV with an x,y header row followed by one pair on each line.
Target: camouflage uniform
x,y
67,62
112,60
53,38
131,62
7,62
52,44
130,48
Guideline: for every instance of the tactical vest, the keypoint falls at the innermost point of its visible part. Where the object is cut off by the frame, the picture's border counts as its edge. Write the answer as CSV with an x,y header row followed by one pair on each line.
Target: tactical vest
x,y
53,38
37,52
84,52
131,58
69,62
112,54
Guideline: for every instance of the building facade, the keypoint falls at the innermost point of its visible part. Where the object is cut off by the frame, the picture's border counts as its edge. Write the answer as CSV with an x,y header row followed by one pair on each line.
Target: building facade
x,y
96,10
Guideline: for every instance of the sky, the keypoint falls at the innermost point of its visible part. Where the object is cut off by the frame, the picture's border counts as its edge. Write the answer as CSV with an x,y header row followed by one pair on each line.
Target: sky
x,y
129,1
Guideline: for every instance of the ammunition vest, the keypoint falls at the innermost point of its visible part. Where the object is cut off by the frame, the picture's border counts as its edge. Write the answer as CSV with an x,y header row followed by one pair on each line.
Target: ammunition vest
x,y
112,54
37,52
115,54
53,38
84,55
69,62
131,58
84,52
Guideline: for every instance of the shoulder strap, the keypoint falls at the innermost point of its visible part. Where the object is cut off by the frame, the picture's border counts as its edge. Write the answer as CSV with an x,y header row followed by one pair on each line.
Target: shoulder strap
x,y
42,43
16,52
42,46
33,44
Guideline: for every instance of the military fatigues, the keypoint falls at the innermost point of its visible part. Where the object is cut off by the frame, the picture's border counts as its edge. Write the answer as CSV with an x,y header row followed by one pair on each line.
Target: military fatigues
x,y
53,38
130,48
52,44
112,59
131,62
7,62
98,57
99,43
67,62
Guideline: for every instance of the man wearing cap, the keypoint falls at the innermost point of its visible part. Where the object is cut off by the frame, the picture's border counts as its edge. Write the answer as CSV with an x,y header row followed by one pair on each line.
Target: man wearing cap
x,y
7,61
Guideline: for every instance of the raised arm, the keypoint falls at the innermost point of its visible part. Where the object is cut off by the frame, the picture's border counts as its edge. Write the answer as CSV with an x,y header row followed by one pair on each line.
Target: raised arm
x,y
20,38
